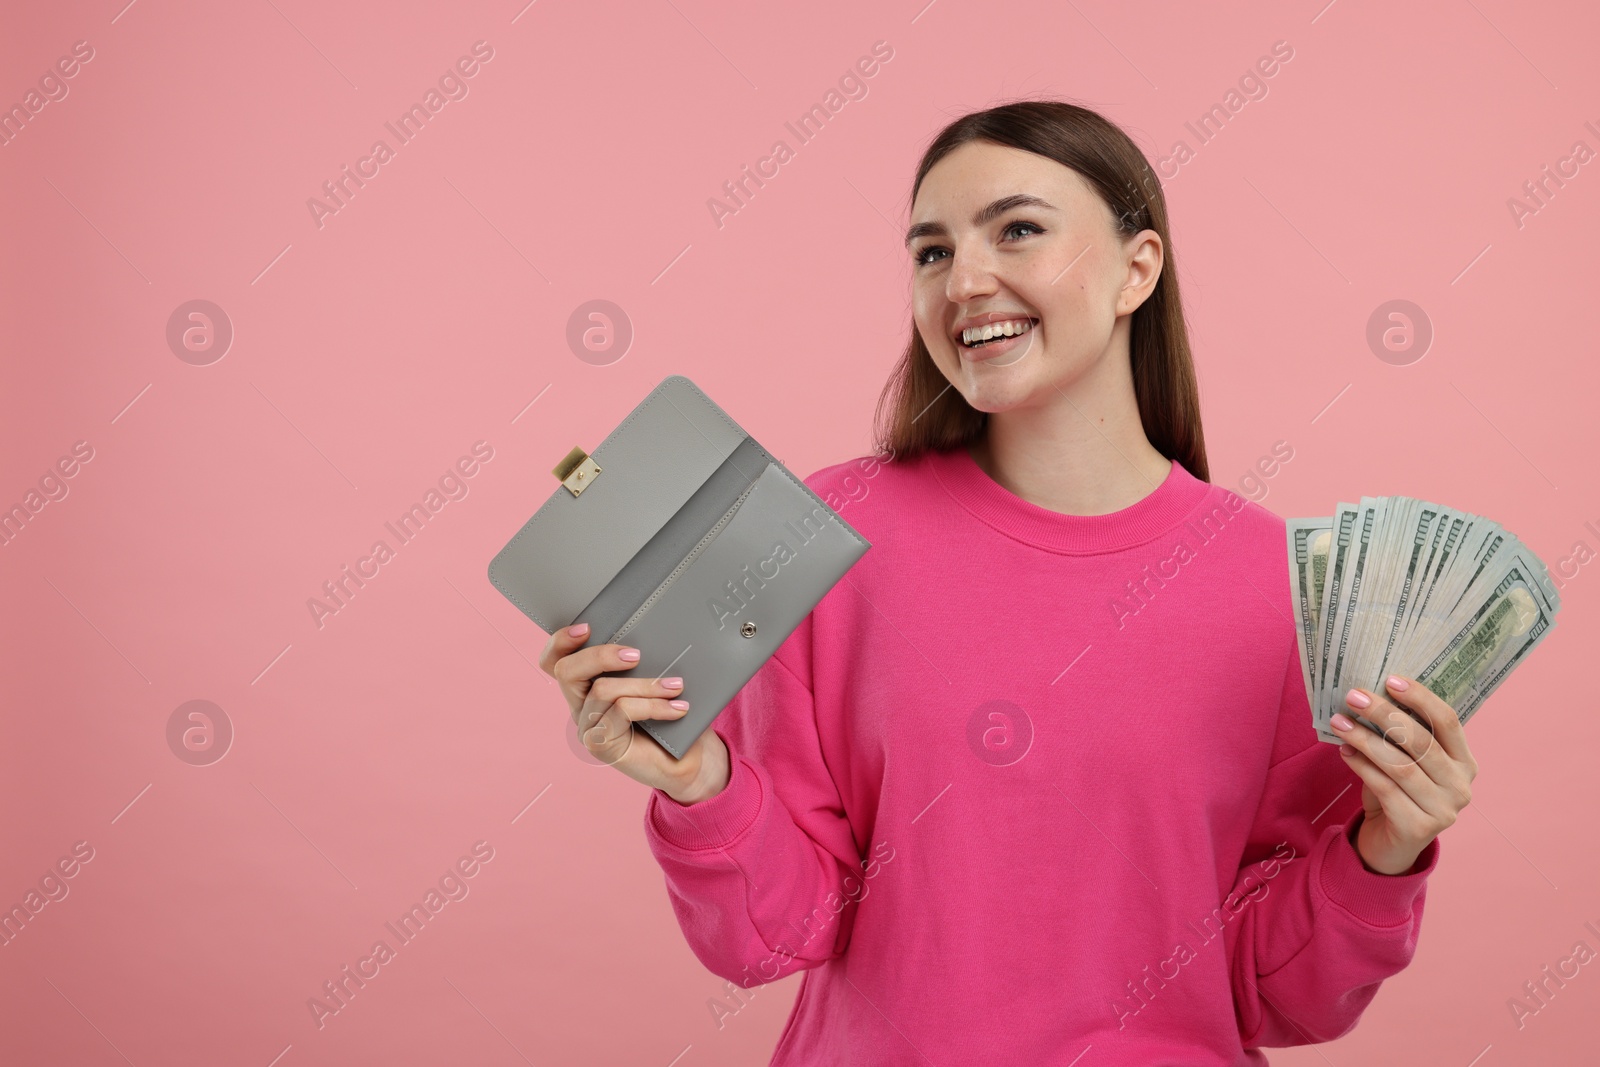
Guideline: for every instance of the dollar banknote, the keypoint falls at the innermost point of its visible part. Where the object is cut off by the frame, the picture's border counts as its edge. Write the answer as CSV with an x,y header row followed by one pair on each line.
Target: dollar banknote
x,y
1507,624
1308,570
1396,585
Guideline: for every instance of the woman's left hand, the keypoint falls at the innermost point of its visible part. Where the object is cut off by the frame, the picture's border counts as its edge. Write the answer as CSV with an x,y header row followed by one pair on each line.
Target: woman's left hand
x,y
1414,783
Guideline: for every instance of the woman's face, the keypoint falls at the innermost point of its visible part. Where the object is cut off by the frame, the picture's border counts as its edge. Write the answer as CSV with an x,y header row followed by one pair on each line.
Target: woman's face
x,y
1053,266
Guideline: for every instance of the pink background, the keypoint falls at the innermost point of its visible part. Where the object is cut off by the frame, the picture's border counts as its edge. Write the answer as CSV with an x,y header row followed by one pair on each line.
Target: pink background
x,y
371,352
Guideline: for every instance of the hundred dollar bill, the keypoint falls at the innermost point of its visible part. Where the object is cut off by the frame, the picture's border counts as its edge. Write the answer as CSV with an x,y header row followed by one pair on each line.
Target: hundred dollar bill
x,y
1486,553
1308,567
1510,621
1373,609
1423,521
1342,537
1356,565
1435,548
1443,560
1492,544
1379,602
1480,558
1490,682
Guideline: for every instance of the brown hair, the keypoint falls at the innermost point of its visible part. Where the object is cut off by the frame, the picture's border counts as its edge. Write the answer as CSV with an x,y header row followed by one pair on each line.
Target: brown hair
x,y
927,413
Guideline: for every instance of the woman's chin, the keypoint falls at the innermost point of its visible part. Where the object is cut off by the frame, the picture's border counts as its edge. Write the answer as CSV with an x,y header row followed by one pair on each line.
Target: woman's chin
x,y
992,395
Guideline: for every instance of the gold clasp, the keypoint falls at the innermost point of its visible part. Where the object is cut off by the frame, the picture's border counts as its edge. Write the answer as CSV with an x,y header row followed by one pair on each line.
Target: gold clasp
x,y
576,471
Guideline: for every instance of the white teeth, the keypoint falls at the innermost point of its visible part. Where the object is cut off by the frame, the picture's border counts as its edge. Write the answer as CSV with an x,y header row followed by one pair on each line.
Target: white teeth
x,y
1008,328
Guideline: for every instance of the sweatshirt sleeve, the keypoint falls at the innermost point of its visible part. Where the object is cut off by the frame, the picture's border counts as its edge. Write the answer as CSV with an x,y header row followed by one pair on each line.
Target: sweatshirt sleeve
x,y
1317,932
761,875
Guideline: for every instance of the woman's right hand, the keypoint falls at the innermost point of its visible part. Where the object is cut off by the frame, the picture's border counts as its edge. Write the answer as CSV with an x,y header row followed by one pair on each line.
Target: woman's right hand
x,y
605,710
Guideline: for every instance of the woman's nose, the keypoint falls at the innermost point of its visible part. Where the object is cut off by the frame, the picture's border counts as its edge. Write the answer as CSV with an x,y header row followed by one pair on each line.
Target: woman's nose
x,y
971,274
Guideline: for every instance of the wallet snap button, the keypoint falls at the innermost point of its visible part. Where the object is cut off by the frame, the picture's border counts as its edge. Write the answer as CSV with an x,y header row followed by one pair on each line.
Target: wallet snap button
x,y
747,629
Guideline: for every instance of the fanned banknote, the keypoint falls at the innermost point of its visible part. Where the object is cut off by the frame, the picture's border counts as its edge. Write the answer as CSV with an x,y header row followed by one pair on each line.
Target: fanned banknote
x,y
1395,585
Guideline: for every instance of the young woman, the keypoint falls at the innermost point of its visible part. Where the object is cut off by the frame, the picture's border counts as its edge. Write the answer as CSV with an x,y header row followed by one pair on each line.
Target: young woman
x,y
1037,783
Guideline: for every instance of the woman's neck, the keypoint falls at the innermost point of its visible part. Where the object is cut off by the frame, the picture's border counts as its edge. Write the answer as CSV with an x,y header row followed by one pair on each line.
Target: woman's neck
x,y
1081,451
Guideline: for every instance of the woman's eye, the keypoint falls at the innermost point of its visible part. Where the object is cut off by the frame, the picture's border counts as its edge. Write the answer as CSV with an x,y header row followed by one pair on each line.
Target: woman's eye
x,y
925,257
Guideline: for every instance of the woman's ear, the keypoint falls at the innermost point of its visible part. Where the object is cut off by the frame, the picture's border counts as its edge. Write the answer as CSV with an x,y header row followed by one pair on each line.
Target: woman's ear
x,y
1144,258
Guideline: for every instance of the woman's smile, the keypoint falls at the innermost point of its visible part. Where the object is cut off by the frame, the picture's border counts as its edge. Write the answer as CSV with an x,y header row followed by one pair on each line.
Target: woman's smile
x,y
981,342
999,345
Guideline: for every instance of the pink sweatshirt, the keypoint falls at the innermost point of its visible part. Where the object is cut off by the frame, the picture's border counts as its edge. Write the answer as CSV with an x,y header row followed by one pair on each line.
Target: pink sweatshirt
x,y
1027,786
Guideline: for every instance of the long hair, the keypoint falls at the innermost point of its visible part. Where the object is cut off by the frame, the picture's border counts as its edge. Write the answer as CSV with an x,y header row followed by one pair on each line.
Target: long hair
x,y
924,412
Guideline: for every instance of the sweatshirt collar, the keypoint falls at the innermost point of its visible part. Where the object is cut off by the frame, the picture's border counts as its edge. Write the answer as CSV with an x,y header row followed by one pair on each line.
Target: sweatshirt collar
x,y
1161,510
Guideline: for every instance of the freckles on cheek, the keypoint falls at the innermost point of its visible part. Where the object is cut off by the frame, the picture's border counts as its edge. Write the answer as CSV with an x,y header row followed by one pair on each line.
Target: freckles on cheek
x,y
930,322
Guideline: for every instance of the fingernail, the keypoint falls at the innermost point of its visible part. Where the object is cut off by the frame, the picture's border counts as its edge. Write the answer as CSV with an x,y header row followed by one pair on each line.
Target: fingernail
x,y
1398,684
629,654
578,629
1357,699
672,683
1342,723
681,705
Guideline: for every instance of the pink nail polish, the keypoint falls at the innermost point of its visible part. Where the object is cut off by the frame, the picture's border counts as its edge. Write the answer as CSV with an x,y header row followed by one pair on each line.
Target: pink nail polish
x,y
1398,684
1342,723
629,654
681,705
672,683
578,629
1357,699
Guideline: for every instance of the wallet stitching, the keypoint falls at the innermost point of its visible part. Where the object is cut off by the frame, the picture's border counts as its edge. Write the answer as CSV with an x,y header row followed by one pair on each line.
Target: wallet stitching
x,y
694,553
659,392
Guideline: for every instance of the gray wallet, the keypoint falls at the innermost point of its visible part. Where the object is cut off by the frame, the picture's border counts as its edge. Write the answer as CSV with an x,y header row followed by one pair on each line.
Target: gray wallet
x,y
680,536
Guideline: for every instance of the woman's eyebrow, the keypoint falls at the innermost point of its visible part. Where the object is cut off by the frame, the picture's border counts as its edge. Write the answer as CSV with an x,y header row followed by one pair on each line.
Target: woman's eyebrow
x,y
985,215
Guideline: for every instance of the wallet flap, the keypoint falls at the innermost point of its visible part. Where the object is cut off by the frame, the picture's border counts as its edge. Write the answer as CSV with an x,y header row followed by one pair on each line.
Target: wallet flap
x,y
650,465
